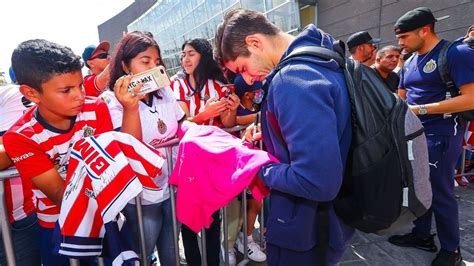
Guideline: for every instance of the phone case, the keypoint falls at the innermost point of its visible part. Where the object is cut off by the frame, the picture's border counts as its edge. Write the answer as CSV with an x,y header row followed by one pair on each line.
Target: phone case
x,y
153,79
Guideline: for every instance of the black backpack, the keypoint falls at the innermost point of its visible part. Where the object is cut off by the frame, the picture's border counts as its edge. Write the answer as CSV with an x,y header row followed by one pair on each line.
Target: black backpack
x,y
448,81
386,183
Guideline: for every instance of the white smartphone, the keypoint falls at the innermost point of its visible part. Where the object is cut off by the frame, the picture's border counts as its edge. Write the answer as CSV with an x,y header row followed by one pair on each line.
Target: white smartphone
x,y
153,79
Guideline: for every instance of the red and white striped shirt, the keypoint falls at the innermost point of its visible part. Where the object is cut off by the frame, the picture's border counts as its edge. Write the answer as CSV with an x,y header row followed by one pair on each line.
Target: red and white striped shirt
x,y
18,198
36,147
105,172
195,102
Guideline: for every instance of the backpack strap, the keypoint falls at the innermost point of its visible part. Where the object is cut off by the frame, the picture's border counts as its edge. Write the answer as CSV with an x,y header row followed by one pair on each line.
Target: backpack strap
x,y
444,71
315,51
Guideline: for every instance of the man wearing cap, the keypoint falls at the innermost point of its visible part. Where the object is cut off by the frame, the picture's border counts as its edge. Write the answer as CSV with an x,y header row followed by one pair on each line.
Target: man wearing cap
x,y
97,59
428,97
250,99
362,47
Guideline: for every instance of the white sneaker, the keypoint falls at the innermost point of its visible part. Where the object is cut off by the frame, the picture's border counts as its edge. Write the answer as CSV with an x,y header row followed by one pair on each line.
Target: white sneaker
x,y
253,249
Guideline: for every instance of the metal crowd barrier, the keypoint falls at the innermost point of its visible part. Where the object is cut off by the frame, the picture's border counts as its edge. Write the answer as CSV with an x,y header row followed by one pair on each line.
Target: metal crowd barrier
x,y
8,243
5,223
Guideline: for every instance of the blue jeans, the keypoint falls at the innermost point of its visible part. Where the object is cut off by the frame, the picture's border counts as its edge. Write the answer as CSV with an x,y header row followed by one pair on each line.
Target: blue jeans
x,y
24,237
158,225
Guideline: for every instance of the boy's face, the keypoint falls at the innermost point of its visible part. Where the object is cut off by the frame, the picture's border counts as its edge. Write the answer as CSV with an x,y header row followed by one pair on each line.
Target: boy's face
x,y
62,96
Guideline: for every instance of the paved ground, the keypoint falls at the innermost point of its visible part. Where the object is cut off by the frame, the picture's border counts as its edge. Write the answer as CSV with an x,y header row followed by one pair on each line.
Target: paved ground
x,y
368,249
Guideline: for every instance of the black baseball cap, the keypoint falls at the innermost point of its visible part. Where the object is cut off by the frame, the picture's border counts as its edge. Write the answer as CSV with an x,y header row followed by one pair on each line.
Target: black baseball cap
x,y
414,19
359,38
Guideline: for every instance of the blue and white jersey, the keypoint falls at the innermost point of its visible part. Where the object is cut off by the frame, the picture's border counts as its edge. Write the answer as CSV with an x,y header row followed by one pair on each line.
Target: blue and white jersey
x,y
421,79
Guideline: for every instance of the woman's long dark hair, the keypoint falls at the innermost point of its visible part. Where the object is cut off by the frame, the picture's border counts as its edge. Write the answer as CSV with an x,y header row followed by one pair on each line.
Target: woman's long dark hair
x,y
128,48
207,67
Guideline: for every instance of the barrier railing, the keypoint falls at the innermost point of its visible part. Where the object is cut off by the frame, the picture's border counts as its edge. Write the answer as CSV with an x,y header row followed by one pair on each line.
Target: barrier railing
x,y
168,146
5,224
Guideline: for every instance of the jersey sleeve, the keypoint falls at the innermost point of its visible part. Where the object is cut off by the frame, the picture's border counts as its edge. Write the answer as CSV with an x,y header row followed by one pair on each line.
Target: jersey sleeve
x,y
29,158
114,108
89,86
460,64
218,88
178,90
104,122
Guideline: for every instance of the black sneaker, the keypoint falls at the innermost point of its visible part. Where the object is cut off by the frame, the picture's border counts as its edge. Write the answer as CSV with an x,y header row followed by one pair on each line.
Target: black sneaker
x,y
410,240
447,258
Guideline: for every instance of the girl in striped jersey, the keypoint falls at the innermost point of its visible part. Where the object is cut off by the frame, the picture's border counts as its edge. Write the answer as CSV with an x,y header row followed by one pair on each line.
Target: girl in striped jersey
x,y
200,93
201,97
156,121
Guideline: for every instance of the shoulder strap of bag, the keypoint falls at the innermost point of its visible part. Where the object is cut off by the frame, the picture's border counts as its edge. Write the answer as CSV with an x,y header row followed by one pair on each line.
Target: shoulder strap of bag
x,y
444,71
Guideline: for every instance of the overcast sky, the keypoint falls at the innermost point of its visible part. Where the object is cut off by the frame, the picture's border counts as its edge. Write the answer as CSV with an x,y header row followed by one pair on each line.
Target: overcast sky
x,y
69,22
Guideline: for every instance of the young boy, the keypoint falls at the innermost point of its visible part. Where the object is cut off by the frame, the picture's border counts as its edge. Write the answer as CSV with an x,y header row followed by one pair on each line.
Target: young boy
x,y
50,76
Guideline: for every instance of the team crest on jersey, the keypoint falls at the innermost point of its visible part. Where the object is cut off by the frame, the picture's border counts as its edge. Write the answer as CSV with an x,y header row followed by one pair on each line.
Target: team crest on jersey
x,y
430,66
206,97
161,126
88,131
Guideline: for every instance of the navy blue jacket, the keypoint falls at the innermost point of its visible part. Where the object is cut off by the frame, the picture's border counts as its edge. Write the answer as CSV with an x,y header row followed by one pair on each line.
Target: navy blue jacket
x,y
306,125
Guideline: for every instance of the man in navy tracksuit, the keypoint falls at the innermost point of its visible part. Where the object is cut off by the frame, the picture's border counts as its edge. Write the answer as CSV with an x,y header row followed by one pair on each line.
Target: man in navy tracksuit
x,y
305,124
427,96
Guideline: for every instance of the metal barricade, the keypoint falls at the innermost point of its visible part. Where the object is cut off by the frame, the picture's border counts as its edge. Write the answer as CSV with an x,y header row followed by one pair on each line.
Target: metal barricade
x,y
5,224
7,238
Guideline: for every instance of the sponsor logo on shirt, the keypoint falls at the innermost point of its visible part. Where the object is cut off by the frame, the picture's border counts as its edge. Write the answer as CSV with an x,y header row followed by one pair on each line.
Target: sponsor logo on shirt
x,y
22,157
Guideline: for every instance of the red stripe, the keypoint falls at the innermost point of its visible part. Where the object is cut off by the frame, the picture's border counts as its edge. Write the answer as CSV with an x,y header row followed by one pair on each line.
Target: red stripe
x,y
73,220
131,153
114,188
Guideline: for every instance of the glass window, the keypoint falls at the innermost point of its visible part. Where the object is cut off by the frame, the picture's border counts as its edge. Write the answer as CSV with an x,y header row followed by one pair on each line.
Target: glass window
x,y
273,3
213,7
228,3
284,17
200,15
257,5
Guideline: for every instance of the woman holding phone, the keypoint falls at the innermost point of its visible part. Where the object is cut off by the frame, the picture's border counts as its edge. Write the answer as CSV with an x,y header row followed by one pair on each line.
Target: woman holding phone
x,y
155,120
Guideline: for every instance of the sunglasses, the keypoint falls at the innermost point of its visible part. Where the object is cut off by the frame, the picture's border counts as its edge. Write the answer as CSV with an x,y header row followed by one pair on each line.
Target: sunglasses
x,y
100,56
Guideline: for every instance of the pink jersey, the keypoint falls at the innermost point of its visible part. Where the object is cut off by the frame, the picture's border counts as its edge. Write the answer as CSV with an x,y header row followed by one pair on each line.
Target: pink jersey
x,y
18,198
36,147
212,168
195,102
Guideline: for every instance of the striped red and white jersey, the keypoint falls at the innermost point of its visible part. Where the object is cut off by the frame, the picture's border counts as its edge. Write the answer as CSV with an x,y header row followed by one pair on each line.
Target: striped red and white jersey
x,y
36,147
195,102
159,116
105,172
18,198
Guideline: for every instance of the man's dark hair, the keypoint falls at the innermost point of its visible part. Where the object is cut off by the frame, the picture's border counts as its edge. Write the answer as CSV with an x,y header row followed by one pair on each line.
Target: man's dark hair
x,y
237,25
35,62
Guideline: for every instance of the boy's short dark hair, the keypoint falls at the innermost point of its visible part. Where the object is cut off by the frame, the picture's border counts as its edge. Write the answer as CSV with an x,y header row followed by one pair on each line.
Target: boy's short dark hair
x,y
37,61
237,25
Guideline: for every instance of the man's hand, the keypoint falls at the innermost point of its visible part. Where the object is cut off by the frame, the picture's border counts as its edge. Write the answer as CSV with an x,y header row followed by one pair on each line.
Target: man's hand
x,y
253,133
